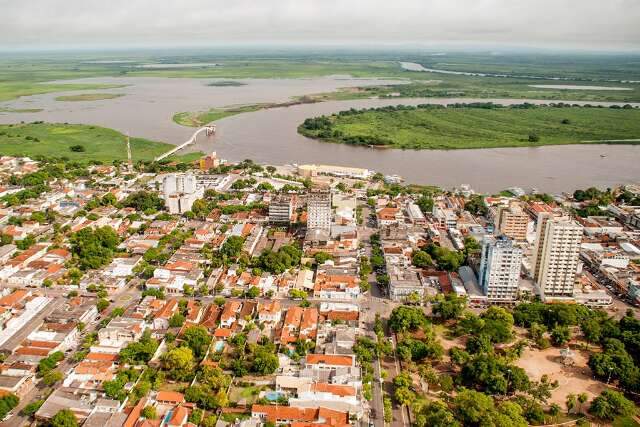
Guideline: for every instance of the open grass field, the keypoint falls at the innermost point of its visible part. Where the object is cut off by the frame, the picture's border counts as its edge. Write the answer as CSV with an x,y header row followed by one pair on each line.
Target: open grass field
x,y
63,140
454,128
88,97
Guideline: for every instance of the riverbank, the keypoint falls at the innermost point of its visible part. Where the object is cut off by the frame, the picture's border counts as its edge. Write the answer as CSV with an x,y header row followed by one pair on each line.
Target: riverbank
x,y
475,126
78,142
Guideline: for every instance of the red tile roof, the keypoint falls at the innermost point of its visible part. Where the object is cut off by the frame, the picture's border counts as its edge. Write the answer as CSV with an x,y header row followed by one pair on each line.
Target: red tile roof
x,y
329,359
170,396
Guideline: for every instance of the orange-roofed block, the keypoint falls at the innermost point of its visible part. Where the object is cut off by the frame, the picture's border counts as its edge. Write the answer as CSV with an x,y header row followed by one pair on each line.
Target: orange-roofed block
x,y
172,397
329,359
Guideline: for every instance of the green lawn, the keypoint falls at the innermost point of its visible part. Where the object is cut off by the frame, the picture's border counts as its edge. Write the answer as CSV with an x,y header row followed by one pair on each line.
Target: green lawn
x,y
56,140
248,394
452,128
89,97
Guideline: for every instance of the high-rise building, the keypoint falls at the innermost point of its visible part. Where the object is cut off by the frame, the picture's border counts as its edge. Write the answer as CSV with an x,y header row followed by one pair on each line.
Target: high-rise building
x,y
319,210
556,255
513,222
179,192
281,209
178,183
499,274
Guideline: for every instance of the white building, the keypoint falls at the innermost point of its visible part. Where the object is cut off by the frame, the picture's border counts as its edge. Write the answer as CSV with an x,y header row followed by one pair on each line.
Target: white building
x,y
178,183
499,274
180,191
319,210
556,255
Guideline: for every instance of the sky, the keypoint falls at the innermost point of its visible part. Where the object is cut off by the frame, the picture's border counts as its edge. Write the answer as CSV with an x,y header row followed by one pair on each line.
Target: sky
x,y
582,24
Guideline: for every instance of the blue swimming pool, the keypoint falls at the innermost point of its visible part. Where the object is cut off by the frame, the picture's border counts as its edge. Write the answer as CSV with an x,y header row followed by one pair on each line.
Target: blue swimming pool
x,y
219,346
272,396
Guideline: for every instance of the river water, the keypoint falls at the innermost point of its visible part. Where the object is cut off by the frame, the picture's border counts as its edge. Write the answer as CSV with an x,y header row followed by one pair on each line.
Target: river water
x,y
270,136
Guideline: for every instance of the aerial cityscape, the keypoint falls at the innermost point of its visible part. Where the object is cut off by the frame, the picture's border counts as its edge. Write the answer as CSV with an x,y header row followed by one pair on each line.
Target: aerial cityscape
x,y
319,213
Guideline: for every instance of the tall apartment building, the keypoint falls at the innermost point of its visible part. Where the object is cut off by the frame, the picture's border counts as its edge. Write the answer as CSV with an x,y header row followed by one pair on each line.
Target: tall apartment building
x,y
319,210
499,274
178,183
556,255
513,222
281,209
179,192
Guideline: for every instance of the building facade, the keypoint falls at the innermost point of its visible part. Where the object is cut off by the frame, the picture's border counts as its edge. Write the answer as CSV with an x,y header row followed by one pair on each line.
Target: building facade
x,y
556,255
513,222
179,192
319,210
281,210
499,274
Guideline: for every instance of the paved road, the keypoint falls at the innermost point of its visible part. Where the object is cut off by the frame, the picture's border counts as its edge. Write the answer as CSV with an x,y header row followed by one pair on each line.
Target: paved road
x,y
391,365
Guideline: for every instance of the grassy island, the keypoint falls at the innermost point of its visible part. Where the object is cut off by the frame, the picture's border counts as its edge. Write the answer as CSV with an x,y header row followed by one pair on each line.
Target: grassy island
x,y
77,142
201,118
88,97
479,125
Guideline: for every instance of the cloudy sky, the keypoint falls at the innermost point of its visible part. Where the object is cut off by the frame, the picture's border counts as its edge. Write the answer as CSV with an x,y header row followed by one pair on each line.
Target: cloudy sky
x,y
587,24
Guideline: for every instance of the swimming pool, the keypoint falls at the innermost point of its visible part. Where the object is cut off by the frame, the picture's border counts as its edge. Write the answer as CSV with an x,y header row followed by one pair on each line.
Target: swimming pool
x,y
219,346
272,396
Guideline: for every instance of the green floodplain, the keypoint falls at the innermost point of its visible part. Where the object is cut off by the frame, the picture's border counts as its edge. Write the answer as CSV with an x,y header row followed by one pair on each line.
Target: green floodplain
x,y
23,75
476,126
78,142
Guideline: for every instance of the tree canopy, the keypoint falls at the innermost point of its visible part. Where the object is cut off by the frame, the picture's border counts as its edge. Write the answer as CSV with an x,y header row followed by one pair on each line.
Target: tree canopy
x,y
94,248
405,318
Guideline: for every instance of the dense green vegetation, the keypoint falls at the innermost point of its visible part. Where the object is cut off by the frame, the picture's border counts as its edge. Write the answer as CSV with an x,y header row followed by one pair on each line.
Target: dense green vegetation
x,y
88,97
490,388
474,126
7,403
93,249
140,352
57,140
64,418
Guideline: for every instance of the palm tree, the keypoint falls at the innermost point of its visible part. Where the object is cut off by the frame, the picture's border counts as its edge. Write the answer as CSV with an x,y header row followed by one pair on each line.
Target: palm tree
x,y
571,402
582,398
554,410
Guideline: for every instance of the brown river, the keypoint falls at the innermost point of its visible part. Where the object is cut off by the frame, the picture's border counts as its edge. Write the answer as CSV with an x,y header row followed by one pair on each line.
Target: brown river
x,y
270,136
